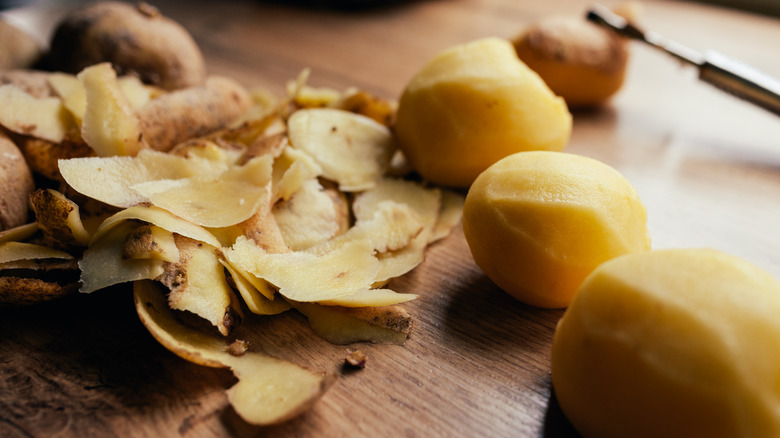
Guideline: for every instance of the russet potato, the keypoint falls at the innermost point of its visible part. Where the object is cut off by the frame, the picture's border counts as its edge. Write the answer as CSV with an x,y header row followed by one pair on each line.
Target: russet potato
x,y
580,61
17,183
135,39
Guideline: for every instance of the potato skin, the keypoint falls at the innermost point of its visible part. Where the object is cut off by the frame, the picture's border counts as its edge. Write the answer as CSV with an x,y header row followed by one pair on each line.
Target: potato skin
x,y
136,40
16,184
580,61
19,49
191,113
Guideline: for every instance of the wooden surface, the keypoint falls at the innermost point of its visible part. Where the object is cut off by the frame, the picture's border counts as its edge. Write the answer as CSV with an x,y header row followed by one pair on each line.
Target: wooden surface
x,y
477,363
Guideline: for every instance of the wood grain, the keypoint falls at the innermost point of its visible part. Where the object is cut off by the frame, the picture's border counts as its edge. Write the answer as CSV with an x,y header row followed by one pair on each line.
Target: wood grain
x,y
477,363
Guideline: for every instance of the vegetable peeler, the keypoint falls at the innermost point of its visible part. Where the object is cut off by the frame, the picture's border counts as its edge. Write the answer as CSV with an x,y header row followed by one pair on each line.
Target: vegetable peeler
x,y
714,68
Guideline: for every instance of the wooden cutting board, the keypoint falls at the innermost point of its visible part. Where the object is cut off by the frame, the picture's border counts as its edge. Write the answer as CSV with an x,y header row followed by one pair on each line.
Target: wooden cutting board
x,y
477,362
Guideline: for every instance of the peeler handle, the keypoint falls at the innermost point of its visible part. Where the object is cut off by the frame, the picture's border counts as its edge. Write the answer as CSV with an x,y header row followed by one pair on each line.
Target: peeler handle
x,y
741,80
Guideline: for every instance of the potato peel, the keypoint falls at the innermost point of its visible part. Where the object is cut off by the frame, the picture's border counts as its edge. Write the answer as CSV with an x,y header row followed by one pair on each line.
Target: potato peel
x,y
213,202
308,218
161,218
370,298
269,390
13,251
197,284
109,124
109,179
306,277
59,219
45,118
102,264
342,325
256,301
352,149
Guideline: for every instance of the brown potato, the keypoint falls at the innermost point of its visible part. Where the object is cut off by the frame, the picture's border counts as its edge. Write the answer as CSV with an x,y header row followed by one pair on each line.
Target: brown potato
x,y
194,112
16,184
135,39
19,49
580,61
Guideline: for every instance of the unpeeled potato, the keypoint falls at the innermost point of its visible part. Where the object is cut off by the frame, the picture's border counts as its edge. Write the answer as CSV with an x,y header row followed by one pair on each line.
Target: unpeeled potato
x,y
20,49
134,39
580,61
16,184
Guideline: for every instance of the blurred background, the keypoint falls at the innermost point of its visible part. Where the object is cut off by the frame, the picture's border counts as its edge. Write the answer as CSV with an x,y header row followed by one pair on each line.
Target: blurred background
x,y
766,7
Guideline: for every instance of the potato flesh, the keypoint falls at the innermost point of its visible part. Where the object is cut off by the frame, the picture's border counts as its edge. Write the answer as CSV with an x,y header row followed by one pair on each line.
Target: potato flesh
x,y
478,93
682,342
538,222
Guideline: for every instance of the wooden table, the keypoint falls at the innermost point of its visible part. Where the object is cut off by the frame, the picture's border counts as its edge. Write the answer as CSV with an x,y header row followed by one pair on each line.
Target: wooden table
x,y
478,362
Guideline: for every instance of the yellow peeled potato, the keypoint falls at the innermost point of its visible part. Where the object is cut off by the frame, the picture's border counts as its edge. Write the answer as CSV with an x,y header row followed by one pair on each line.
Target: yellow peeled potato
x,y
537,223
472,105
671,343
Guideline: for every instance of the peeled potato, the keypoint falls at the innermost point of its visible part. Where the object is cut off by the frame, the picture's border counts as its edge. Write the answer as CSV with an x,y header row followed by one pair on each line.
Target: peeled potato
x,y
671,343
472,105
538,223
